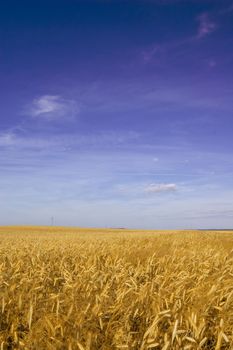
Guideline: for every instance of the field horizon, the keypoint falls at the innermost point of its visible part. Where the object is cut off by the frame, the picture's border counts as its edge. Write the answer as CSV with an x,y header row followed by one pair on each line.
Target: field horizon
x,y
115,229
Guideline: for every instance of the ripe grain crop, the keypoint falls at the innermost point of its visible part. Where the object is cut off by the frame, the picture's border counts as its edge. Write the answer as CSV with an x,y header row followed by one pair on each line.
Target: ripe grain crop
x,y
115,289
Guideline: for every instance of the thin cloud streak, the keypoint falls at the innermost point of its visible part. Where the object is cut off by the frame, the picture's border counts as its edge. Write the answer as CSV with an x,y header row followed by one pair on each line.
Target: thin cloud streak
x,y
153,53
13,140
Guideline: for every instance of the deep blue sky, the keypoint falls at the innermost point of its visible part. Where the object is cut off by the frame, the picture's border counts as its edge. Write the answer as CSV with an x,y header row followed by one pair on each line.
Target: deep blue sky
x,y
117,113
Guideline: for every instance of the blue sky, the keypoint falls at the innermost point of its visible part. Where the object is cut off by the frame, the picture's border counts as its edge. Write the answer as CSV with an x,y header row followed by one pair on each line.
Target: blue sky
x,y
117,113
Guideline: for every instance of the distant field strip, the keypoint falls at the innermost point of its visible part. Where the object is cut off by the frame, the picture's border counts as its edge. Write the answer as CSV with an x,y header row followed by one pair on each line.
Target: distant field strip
x,y
64,288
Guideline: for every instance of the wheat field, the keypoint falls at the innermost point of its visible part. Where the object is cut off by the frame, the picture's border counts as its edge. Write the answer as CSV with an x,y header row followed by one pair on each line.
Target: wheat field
x,y
89,289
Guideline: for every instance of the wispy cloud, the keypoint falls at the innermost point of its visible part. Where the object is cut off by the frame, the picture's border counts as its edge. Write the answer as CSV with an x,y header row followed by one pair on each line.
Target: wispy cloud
x,y
150,53
18,140
157,188
156,52
10,140
7,139
216,213
52,107
226,10
206,25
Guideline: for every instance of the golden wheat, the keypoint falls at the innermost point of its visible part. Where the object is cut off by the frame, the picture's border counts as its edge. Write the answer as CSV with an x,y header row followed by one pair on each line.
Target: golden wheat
x,y
110,289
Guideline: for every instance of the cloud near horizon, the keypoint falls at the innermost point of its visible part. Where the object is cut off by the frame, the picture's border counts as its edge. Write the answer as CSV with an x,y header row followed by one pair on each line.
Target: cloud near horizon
x,y
157,188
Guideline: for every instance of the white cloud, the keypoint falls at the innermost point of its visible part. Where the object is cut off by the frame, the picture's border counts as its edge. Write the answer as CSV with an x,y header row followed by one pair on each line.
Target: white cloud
x,y
206,25
53,107
157,188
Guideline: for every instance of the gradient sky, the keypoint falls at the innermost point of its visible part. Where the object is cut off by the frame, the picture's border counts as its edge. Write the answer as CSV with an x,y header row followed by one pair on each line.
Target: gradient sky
x,y
117,113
